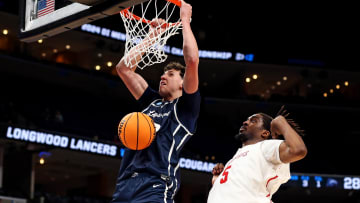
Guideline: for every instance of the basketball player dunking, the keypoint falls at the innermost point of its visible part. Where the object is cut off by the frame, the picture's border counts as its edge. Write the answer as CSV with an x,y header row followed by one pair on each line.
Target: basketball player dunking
x,y
152,174
261,165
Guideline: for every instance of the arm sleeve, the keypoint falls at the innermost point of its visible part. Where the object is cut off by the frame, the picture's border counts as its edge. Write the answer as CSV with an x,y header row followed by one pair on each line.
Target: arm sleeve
x,y
188,109
147,97
270,150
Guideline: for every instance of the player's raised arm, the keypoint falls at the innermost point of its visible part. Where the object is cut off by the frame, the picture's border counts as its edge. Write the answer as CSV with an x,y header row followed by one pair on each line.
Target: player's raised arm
x,y
293,148
133,81
190,49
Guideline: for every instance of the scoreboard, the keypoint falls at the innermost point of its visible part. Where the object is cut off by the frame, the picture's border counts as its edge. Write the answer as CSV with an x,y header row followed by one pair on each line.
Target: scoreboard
x,y
324,181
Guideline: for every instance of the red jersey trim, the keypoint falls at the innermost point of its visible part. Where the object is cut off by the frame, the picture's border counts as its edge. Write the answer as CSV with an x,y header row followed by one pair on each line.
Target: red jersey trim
x,y
270,179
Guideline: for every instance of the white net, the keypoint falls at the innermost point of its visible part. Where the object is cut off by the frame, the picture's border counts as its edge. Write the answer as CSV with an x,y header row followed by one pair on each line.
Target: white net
x,y
145,39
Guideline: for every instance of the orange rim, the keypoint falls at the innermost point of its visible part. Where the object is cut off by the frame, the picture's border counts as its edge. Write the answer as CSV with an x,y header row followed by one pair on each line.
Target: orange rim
x,y
130,15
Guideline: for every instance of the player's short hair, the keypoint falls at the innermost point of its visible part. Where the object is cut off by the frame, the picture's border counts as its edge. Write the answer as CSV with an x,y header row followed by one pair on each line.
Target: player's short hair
x,y
176,66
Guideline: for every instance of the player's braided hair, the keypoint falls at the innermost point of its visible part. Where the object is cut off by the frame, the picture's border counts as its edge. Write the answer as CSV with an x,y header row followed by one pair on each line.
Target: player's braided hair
x,y
292,123
283,112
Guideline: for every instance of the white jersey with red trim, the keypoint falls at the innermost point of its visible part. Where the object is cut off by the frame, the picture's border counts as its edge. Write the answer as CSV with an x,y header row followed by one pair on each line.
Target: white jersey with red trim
x,y
253,175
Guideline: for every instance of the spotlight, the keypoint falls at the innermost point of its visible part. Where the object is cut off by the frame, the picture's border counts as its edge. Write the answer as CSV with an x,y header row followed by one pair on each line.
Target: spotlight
x,y
40,41
97,67
255,76
325,94
42,161
284,78
5,32
109,63
247,80
67,47
337,86
346,83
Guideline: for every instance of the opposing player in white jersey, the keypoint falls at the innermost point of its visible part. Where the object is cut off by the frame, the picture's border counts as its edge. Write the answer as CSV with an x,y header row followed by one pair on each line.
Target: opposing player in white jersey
x,y
262,164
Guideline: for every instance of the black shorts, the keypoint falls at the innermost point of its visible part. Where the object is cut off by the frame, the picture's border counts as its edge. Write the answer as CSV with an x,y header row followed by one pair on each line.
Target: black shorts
x,y
144,188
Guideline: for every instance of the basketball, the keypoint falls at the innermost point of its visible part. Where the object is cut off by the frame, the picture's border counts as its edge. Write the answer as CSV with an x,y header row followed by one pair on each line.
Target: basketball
x,y
136,131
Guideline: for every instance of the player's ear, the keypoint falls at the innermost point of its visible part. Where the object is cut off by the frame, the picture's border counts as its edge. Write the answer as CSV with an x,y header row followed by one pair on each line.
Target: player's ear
x,y
265,134
181,84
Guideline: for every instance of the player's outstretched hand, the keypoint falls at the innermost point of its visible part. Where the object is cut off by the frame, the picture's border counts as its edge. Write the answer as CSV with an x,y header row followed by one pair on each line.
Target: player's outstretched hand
x,y
185,12
218,168
157,27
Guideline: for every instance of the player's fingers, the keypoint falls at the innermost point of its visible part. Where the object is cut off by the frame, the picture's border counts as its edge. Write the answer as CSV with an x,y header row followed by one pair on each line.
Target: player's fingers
x,y
221,166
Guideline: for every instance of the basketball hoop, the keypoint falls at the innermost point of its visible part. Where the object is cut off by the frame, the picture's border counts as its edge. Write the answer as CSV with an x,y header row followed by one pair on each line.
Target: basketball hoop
x,y
138,26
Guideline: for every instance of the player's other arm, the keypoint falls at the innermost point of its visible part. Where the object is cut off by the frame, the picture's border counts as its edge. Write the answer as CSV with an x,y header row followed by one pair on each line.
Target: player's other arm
x,y
190,49
293,148
218,168
135,83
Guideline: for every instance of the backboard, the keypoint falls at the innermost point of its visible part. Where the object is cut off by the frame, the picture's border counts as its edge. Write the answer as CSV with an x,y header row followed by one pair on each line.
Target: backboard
x,y
45,18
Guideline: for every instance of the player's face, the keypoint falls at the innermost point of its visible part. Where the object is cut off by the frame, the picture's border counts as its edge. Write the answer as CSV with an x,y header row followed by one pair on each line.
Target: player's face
x,y
171,81
251,128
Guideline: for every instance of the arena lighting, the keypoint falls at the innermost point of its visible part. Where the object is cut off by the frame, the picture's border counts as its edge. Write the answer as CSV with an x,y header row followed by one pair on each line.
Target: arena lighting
x,y
44,154
5,31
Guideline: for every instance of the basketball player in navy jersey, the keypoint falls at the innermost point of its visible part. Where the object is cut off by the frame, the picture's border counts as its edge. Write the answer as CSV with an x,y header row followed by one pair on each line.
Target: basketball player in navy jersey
x,y
152,174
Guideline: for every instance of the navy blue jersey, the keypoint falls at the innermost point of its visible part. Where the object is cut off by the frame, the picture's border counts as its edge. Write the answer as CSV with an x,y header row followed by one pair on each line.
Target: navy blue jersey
x,y
175,123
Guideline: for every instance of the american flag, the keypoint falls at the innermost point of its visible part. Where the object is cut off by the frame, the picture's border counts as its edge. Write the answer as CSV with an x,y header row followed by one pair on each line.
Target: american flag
x,y
45,7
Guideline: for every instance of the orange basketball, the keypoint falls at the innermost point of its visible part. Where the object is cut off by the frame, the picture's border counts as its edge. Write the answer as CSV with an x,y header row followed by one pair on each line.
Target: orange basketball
x,y
136,131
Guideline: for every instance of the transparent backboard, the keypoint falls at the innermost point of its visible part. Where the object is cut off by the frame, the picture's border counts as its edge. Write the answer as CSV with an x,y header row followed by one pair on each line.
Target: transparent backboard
x,y
45,18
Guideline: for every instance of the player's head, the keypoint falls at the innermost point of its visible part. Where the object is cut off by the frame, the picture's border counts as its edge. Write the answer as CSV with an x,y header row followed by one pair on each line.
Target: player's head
x,y
256,127
172,80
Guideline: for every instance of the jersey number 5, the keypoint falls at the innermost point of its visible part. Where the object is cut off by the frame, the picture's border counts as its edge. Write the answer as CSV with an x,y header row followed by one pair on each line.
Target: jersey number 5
x,y
225,175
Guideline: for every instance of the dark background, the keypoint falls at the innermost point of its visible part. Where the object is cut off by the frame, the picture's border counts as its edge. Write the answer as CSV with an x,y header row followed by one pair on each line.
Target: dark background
x,y
316,42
